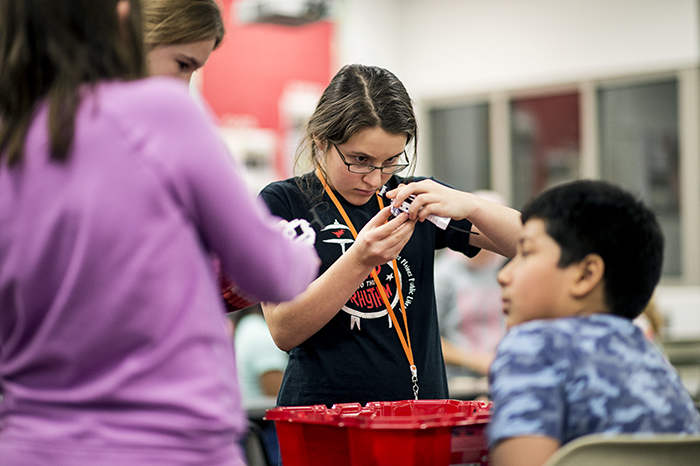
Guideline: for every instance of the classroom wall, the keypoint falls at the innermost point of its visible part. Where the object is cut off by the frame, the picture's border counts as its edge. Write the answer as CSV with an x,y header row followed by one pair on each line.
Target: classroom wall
x,y
257,82
448,47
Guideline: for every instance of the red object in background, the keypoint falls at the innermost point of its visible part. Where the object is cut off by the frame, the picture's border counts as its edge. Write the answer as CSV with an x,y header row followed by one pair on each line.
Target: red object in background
x,y
557,131
385,433
247,75
233,297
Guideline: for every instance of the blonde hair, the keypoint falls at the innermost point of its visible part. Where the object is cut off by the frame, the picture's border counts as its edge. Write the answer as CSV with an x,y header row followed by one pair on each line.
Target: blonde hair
x,y
169,22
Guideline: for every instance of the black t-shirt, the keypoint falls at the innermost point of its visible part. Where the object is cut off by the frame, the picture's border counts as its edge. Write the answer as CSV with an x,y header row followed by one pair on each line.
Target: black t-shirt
x,y
357,356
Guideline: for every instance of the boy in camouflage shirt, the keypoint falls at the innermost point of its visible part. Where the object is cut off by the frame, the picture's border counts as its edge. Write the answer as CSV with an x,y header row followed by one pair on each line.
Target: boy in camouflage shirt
x,y
572,362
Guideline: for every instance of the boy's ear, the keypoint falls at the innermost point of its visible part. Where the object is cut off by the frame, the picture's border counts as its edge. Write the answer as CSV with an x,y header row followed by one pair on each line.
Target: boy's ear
x,y
590,271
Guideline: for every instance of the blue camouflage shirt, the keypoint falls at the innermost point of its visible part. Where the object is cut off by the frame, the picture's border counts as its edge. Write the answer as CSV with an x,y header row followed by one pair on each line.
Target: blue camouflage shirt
x,y
565,378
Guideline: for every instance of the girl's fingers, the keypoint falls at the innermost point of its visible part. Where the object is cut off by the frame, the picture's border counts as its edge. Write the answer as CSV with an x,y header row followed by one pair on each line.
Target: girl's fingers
x,y
384,239
381,217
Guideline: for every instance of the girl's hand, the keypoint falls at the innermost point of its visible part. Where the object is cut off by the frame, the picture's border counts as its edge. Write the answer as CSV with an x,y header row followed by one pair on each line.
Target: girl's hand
x,y
431,198
497,226
380,241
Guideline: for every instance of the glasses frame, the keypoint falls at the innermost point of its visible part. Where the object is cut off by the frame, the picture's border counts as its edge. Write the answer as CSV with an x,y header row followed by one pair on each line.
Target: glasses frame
x,y
397,168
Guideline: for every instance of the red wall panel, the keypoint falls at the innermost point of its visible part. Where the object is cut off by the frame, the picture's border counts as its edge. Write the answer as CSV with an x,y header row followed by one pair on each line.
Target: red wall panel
x,y
246,76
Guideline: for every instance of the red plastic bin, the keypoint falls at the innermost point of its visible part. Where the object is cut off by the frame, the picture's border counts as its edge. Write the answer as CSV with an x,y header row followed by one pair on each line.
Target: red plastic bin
x,y
383,433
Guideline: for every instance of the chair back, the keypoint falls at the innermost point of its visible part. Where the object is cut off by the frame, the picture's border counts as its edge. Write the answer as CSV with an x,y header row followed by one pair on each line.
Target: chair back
x,y
254,446
629,450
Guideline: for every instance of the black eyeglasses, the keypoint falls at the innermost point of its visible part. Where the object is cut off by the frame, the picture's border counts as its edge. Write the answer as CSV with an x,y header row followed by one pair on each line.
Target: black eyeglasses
x,y
364,168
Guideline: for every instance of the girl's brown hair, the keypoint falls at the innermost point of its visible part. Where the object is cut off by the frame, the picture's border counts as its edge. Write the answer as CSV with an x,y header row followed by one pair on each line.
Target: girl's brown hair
x,y
358,97
48,50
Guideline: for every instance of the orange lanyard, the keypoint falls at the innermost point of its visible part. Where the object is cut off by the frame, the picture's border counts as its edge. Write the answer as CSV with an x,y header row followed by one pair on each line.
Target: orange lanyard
x,y
405,341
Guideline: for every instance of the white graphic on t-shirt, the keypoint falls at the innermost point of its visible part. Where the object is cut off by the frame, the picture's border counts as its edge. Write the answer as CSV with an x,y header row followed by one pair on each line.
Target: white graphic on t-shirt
x,y
335,225
366,302
341,241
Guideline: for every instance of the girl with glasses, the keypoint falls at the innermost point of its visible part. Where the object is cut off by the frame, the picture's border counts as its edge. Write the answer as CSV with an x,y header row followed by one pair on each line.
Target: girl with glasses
x,y
366,329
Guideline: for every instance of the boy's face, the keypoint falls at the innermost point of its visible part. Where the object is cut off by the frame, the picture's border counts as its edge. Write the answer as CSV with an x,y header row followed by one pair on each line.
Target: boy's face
x,y
533,286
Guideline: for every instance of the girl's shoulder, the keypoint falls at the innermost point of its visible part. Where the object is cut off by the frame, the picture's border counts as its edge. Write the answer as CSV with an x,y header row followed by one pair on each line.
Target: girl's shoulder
x,y
149,105
293,195
142,94
306,186
289,185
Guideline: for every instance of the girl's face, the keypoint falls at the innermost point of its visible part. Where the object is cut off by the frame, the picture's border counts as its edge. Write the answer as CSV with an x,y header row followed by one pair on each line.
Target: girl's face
x,y
179,60
369,146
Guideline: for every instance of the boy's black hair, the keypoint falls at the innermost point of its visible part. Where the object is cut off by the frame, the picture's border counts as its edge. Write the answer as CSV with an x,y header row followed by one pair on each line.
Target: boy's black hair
x,y
588,216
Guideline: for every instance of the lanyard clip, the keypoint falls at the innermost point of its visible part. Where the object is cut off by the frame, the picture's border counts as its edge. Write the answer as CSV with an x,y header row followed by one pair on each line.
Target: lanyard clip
x,y
414,379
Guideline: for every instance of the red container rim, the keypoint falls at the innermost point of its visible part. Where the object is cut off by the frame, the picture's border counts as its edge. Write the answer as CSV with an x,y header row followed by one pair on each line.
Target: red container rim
x,y
405,414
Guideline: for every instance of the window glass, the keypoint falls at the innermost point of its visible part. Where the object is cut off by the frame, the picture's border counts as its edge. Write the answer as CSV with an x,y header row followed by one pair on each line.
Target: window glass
x,y
639,151
545,144
460,146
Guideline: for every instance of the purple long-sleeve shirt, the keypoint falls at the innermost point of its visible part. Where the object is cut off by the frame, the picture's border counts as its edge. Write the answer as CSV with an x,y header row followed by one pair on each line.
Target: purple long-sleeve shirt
x,y
113,345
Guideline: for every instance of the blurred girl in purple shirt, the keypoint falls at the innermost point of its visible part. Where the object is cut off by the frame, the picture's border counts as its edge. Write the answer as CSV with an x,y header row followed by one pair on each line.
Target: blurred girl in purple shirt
x,y
115,193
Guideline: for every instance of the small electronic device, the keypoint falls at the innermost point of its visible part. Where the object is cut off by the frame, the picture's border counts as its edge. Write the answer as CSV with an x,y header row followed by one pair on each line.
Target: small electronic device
x,y
440,222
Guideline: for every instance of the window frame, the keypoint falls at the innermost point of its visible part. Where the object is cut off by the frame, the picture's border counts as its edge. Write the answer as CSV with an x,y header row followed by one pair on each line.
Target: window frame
x,y
499,103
